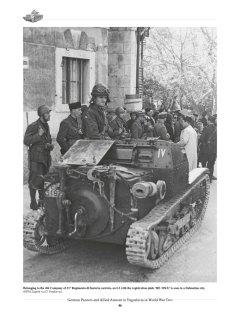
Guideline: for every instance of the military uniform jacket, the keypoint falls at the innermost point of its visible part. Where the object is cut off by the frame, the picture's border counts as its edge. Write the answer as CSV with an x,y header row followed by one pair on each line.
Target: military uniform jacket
x,y
117,128
160,131
137,130
95,122
38,150
69,132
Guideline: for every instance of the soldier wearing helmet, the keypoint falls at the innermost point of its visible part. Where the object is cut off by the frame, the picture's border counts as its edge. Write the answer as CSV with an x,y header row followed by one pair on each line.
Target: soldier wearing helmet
x,y
117,125
38,140
95,120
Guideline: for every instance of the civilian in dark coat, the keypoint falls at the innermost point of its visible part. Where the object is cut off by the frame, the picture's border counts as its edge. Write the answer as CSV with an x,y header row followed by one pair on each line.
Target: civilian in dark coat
x,y
169,126
208,152
38,140
70,129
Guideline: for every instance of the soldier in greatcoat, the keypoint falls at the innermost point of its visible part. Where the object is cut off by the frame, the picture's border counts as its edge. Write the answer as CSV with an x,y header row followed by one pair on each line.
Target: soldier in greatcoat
x,y
70,129
39,142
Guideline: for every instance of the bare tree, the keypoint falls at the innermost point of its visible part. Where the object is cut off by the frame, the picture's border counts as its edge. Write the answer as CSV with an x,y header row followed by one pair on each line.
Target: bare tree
x,y
183,60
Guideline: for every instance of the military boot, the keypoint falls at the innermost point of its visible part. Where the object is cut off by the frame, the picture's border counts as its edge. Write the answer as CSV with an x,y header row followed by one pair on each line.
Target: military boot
x,y
33,204
40,200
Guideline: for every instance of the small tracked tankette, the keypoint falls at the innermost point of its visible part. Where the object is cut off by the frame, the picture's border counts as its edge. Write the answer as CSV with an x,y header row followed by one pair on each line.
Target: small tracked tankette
x,y
136,192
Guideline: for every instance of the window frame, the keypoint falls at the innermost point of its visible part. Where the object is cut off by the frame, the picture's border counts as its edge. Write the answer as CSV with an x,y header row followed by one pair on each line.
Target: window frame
x,y
88,75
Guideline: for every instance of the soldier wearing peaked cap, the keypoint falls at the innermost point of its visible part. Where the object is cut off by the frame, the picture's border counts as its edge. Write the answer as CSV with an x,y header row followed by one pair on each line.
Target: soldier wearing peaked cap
x,y
70,129
38,140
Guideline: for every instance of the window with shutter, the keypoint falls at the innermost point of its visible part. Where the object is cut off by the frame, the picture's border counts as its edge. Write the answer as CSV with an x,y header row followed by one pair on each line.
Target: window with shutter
x,y
72,76
75,77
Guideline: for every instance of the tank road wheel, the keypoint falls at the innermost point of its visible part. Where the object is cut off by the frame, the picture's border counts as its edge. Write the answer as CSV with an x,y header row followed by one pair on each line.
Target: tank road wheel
x,y
143,246
35,237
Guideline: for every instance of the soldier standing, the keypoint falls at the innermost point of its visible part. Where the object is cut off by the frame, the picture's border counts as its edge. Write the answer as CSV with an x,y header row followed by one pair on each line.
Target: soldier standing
x,y
160,129
139,126
38,140
95,120
129,123
150,121
117,125
70,129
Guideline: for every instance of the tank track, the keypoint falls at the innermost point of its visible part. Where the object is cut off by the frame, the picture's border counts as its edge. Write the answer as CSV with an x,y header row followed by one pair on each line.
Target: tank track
x,y
31,223
138,233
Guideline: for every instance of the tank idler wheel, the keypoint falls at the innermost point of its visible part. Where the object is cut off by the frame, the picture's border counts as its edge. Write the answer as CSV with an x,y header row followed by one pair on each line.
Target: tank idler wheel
x,y
162,239
35,236
40,231
152,245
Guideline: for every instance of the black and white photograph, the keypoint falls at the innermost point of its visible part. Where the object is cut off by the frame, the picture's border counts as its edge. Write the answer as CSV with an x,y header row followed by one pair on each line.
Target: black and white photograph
x,y
120,149
119,159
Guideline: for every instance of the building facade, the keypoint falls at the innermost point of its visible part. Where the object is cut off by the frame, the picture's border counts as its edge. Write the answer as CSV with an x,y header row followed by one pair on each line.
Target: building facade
x,y
61,65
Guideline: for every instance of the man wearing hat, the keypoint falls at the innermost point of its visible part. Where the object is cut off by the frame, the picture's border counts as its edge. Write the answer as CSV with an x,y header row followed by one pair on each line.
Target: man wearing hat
x,y
160,129
38,140
70,129
139,126
117,126
188,139
95,120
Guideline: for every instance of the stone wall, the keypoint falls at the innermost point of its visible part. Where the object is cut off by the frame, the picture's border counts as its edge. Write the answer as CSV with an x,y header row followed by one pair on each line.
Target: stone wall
x,y
39,45
122,51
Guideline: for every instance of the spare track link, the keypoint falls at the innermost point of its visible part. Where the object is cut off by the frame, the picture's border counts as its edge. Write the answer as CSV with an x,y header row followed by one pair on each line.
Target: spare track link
x,y
30,242
139,231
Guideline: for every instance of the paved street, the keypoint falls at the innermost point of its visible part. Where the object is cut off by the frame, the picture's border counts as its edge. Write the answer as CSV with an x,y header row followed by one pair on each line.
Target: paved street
x,y
196,261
